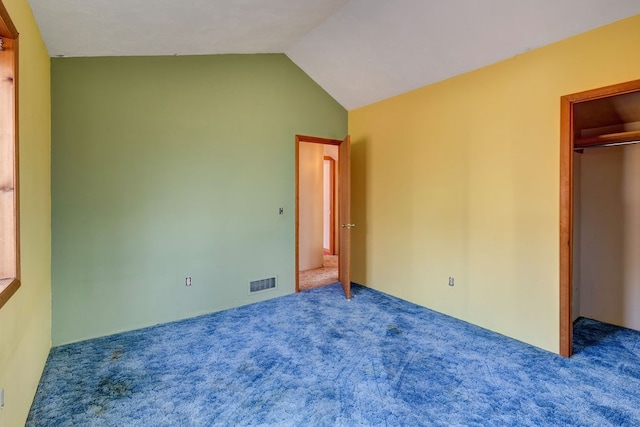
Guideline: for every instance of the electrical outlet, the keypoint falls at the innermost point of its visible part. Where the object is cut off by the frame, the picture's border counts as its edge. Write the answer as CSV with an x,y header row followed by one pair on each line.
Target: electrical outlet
x,y
451,281
187,281
281,211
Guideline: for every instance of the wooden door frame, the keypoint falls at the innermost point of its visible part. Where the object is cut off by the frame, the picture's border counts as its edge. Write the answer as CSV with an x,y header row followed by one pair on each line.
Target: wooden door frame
x,y
567,104
313,140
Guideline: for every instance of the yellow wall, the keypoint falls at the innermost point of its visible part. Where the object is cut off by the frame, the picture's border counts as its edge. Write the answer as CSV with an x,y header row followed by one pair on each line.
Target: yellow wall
x,y
25,320
461,178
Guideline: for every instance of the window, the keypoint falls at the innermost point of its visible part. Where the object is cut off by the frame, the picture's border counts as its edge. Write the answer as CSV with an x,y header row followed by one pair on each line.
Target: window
x,y
9,239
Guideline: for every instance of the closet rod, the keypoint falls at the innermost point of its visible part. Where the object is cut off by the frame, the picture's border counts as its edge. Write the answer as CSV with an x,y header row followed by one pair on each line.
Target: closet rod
x,y
610,144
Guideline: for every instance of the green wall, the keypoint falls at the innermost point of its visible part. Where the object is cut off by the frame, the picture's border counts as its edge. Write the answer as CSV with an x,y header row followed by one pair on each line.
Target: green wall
x,y
25,320
167,167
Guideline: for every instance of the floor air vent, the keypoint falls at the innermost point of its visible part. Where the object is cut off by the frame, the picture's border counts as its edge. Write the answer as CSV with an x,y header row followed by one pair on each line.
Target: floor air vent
x,y
262,285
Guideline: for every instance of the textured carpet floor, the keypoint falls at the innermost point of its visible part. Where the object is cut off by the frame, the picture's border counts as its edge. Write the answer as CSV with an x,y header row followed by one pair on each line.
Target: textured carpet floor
x,y
315,359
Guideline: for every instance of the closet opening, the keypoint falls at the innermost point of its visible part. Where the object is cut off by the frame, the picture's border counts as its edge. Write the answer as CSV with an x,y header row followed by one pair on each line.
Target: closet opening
x,y
600,208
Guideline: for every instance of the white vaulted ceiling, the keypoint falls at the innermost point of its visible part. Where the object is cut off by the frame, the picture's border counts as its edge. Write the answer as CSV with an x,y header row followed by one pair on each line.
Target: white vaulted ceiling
x,y
359,51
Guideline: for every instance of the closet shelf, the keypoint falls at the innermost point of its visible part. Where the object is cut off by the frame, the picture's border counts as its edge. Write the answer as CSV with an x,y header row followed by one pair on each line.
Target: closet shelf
x,y
606,139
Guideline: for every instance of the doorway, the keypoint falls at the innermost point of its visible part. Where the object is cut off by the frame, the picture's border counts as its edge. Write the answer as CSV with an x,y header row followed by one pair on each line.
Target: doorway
x,y
322,238
329,200
596,118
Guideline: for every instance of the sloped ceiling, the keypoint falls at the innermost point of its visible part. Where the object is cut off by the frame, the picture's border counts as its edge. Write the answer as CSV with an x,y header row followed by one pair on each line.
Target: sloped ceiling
x,y
359,51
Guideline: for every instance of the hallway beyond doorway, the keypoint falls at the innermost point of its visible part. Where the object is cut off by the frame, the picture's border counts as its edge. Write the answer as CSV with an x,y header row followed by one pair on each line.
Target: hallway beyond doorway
x,y
317,277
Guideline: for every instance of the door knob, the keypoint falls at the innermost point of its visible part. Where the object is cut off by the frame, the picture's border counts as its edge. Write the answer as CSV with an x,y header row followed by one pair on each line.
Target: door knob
x,y
348,225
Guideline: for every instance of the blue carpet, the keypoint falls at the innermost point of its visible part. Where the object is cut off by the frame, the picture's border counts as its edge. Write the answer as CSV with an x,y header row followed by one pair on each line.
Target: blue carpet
x,y
315,359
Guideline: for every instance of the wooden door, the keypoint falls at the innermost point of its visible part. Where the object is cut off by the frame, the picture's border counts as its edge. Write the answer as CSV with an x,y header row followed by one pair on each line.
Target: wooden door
x,y
344,208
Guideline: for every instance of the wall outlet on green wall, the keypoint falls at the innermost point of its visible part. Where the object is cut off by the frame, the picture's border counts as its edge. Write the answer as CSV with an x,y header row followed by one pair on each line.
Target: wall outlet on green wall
x,y
187,281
